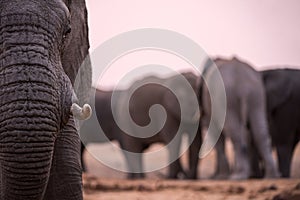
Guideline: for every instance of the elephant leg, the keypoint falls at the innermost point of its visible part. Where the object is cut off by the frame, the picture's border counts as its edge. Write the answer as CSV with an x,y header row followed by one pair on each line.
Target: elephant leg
x,y
284,154
65,180
194,155
285,138
175,169
222,166
134,165
256,169
133,151
237,132
82,157
262,140
173,148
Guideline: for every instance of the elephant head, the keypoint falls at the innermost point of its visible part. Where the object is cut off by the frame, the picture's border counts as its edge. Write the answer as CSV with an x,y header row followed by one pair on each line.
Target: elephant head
x,y
42,46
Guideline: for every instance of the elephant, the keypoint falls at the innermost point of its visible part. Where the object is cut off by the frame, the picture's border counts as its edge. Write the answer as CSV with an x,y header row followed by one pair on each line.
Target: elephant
x,y
282,87
103,113
245,120
43,46
148,92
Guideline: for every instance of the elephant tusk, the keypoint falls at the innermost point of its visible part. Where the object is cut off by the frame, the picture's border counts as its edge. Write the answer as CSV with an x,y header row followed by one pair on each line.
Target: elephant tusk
x,y
83,113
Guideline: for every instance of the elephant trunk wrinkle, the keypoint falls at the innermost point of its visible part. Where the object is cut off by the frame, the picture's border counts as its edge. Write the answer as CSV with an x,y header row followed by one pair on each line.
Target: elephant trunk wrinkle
x,y
25,162
29,123
26,148
30,42
33,23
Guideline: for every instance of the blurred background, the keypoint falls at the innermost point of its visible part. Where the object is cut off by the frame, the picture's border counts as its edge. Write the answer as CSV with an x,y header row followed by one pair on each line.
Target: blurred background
x,y
263,32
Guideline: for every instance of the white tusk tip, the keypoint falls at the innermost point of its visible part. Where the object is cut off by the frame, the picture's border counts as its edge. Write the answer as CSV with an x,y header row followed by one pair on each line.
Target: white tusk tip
x,y
83,113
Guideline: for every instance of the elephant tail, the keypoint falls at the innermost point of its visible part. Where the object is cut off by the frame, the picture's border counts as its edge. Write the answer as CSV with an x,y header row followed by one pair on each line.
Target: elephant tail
x,y
83,113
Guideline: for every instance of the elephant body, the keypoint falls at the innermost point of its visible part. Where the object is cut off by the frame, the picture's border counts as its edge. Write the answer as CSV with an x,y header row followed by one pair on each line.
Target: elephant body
x,y
39,144
283,108
147,93
245,119
136,141
103,110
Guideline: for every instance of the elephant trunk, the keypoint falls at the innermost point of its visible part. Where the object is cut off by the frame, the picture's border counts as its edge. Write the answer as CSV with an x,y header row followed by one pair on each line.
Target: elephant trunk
x,y
28,127
30,105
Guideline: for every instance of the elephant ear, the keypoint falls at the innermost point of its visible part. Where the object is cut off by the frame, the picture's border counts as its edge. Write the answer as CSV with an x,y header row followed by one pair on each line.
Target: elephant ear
x,y
75,57
278,88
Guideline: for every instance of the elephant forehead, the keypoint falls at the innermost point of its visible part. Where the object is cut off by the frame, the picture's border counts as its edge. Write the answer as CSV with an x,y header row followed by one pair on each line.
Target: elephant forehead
x,y
38,13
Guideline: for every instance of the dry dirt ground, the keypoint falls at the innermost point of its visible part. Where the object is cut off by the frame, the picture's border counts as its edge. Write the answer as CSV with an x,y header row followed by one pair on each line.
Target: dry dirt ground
x,y
102,182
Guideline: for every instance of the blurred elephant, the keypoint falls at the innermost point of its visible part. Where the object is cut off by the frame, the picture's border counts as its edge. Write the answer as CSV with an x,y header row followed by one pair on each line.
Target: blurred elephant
x,y
283,108
133,139
245,120
40,57
103,112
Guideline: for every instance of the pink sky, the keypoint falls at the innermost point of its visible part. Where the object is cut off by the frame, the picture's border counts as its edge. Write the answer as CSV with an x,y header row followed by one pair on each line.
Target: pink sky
x,y
263,32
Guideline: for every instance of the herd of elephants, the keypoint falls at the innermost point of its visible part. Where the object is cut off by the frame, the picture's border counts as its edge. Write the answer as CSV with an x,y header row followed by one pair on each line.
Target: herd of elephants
x,y
45,71
262,111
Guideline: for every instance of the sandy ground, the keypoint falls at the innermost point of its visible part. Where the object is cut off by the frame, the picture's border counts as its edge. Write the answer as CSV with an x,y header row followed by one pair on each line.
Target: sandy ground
x,y
210,190
102,182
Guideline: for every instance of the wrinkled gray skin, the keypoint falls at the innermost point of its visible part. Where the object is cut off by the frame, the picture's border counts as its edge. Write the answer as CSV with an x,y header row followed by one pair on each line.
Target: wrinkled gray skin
x,y
245,119
39,57
140,103
282,88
